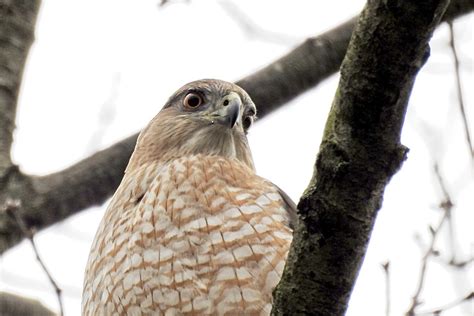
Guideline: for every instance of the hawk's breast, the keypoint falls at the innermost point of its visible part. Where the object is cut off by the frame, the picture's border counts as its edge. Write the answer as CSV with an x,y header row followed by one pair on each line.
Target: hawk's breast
x,y
199,235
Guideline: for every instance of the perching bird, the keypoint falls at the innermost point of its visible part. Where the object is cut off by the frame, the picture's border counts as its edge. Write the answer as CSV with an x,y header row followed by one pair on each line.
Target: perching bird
x,y
191,230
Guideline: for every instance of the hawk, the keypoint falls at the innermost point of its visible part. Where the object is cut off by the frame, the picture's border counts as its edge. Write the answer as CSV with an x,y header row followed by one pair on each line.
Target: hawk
x,y
191,230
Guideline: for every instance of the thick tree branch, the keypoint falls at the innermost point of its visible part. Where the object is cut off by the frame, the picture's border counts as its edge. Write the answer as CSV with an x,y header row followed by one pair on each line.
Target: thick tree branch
x,y
311,62
457,8
54,197
14,305
359,153
47,200
300,70
17,24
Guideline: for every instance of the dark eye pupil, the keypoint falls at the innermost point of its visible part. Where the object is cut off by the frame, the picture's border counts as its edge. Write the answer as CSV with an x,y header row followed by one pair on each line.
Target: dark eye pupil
x,y
193,101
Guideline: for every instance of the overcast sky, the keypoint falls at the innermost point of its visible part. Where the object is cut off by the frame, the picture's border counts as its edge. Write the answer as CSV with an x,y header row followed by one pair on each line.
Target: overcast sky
x,y
100,70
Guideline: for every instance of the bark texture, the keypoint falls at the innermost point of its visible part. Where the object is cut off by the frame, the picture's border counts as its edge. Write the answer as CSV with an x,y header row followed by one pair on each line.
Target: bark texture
x,y
16,36
17,23
52,198
13,305
359,153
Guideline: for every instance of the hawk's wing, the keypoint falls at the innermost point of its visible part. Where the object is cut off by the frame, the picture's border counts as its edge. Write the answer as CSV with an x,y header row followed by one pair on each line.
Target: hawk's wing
x,y
289,205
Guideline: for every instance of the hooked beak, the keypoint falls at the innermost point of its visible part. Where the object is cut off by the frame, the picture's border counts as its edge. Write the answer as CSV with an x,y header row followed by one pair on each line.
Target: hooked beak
x,y
228,110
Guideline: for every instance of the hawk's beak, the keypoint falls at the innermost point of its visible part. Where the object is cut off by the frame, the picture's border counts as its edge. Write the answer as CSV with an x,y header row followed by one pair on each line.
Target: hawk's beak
x,y
228,110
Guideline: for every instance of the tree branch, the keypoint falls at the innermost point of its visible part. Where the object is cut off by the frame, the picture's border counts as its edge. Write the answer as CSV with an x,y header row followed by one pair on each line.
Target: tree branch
x,y
312,62
457,8
14,305
359,153
17,25
11,208
462,107
415,300
439,310
50,199
386,270
252,29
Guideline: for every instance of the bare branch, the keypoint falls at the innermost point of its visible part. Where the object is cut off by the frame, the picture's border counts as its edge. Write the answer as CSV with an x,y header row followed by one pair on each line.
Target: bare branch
x,y
455,263
446,205
456,8
358,155
415,301
251,29
462,108
310,63
386,269
49,199
439,310
301,69
163,3
17,23
460,263
11,208
14,305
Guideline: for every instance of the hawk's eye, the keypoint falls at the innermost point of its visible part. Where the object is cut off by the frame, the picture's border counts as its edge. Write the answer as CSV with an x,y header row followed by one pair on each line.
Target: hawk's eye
x,y
192,100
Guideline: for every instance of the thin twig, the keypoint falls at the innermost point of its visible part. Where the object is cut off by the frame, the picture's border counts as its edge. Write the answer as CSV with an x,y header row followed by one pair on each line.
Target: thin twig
x,y
386,269
11,208
450,305
459,264
252,29
162,3
424,263
451,237
446,205
459,89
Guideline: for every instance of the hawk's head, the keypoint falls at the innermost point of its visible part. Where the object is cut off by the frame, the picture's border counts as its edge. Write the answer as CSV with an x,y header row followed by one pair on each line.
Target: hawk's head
x,y
208,117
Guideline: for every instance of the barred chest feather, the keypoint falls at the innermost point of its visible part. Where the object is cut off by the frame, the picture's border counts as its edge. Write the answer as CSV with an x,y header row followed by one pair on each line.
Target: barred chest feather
x,y
201,235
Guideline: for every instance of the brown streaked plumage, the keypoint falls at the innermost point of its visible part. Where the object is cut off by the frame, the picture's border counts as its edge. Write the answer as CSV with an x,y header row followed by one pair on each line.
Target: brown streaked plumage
x,y
191,230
